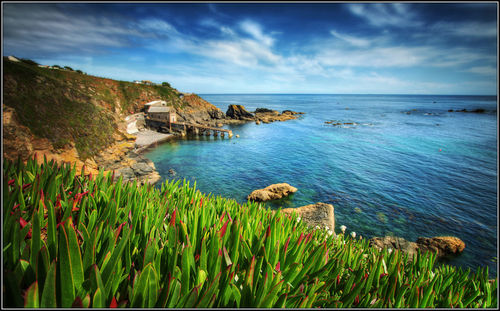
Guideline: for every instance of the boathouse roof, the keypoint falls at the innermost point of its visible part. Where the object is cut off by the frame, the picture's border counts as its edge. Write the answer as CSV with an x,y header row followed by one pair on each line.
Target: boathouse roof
x,y
156,103
160,109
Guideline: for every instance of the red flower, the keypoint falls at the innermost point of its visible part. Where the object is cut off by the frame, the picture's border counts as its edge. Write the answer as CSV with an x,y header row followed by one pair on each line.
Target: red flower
x,y
113,303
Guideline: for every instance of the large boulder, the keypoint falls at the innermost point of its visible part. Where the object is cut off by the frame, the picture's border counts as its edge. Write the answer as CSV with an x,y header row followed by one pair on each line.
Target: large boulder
x,y
272,192
319,214
238,112
442,245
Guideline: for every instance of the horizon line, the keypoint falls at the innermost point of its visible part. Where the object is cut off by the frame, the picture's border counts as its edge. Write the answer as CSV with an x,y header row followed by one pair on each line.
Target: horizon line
x,y
385,94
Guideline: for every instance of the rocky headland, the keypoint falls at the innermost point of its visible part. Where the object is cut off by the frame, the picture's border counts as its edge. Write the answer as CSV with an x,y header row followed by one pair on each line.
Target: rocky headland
x,y
98,123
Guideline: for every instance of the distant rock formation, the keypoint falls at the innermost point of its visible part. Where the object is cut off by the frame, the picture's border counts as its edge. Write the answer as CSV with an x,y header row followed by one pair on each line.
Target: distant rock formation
x,y
239,112
442,245
267,115
272,192
319,214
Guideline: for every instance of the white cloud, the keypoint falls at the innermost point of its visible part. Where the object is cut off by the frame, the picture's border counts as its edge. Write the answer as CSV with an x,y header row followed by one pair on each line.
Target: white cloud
x,y
158,25
359,42
465,29
385,14
483,70
376,57
47,29
255,31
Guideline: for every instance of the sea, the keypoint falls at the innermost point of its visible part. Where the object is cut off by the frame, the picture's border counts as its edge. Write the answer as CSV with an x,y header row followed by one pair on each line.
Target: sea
x,y
403,165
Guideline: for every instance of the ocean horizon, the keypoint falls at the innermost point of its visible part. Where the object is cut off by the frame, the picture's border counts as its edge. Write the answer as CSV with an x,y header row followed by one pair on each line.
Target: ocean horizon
x,y
403,165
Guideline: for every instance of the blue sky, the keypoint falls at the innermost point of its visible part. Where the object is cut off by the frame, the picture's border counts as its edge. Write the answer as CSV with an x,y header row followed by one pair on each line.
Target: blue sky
x,y
334,48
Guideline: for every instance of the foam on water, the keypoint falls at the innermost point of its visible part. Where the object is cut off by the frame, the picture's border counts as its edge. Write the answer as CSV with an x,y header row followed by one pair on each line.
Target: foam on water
x,y
430,172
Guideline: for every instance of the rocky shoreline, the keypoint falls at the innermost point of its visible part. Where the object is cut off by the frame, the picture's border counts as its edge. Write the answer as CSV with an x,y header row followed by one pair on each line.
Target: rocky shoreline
x,y
126,159
321,216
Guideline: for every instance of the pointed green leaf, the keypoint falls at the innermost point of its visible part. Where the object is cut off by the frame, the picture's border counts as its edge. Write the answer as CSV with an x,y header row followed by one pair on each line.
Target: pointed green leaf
x,y
31,298
49,289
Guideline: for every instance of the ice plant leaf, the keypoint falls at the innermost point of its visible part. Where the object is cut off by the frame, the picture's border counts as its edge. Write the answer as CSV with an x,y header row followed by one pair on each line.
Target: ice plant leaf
x,y
31,298
49,289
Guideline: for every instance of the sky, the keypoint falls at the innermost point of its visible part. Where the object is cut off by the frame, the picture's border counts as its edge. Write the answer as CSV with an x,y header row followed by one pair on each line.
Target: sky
x,y
308,48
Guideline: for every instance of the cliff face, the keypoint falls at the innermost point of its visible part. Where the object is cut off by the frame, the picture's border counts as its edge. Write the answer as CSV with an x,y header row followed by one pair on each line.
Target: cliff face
x,y
58,112
197,110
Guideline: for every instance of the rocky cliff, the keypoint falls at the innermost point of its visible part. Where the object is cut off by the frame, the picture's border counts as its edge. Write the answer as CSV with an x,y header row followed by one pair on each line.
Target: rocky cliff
x,y
74,117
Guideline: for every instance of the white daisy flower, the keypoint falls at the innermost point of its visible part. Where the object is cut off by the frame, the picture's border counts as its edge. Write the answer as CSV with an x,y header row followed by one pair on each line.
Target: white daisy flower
x,y
353,234
342,228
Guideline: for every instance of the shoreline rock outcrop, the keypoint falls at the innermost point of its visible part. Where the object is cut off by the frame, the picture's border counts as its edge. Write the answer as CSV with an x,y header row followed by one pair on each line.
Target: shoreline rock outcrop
x,y
319,214
443,246
272,192
239,112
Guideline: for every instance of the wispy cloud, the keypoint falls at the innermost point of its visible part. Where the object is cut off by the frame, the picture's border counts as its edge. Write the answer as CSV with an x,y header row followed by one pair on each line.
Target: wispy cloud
x,y
483,70
465,29
255,31
390,50
386,14
359,42
47,28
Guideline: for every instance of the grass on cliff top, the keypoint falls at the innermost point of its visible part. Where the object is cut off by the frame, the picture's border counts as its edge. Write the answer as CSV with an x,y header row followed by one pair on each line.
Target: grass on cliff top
x,y
66,106
91,241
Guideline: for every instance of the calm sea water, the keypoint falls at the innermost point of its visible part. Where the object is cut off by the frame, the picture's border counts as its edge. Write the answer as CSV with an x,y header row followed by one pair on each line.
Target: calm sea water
x,y
427,173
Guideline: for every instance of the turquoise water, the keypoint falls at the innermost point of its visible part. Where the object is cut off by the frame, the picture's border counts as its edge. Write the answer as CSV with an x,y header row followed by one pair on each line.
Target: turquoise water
x,y
427,173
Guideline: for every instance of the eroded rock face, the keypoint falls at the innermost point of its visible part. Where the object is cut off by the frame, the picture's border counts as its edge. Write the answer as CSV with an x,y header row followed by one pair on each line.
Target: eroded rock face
x,y
319,214
197,110
272,192
442,245
238,112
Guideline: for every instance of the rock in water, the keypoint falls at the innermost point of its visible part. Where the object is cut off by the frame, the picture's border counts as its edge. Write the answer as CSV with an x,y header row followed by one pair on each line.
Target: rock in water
x,y
272,192
172,172
319,214
265,110
442,245
238,112
394,242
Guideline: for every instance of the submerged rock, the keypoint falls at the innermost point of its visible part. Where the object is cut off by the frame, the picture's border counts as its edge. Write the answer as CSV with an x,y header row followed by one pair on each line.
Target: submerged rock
x,y
272,192
319,214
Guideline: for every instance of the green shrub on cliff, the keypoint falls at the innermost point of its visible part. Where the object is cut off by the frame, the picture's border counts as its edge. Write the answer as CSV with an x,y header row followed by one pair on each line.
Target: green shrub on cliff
x,y
64,106
87,241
